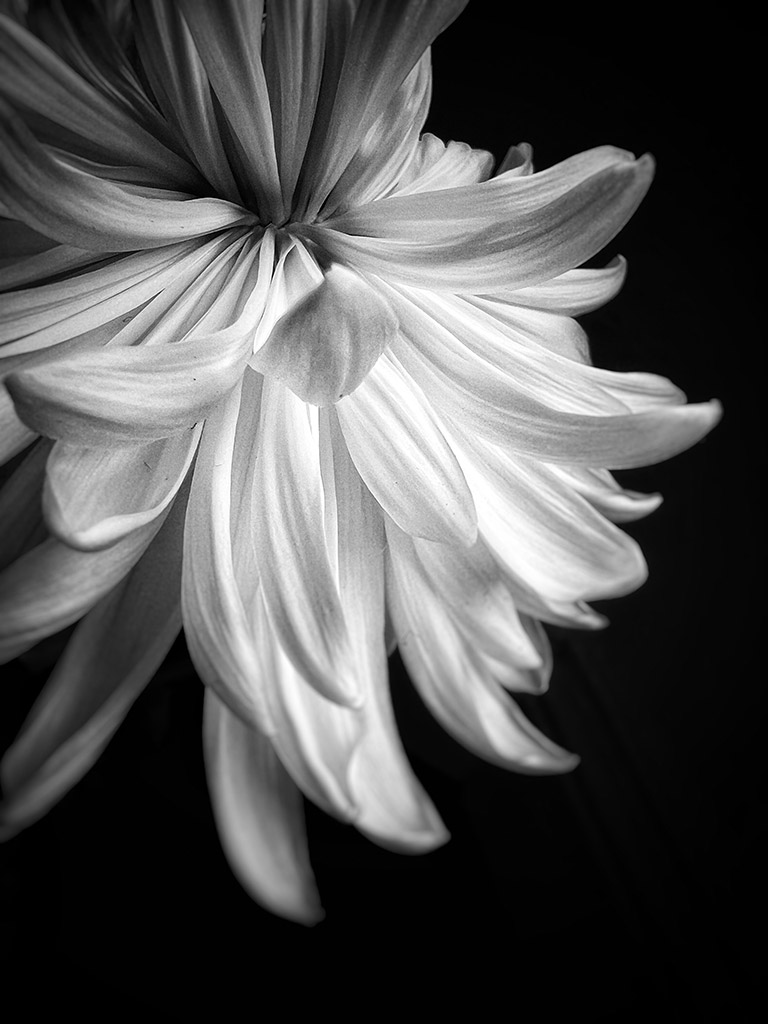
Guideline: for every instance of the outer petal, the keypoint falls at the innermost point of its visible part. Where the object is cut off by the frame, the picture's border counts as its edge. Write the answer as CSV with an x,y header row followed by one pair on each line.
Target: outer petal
x,y
509,232
20,509
400,452
111,657
94,497
436,165
455,684
34,600
259,815
571,294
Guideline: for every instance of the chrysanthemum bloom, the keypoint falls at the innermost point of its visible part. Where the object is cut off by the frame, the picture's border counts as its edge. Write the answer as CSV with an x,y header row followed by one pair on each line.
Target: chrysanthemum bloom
x,y
306,382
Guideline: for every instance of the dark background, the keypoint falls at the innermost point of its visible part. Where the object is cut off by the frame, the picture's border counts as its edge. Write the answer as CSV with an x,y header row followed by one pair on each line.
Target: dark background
x,y
632,889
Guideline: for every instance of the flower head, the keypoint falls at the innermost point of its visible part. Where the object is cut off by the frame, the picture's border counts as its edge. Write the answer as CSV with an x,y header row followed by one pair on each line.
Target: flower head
x,y
305,381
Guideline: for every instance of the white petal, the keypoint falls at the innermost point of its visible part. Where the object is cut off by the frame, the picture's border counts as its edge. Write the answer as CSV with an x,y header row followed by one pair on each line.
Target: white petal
x,y
436,165
259,816
94,497
455,684
399,450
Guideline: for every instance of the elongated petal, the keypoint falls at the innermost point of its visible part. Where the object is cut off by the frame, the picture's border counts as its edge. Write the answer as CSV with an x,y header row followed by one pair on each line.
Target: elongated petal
x,y
455,684
227,35
571,294
128,395
219,634
394,810
531,428
299,589
33,602
259,816
83,210
110,658
178,79
400,452
94,497
509,232
606,495
324,347
38,81
386,39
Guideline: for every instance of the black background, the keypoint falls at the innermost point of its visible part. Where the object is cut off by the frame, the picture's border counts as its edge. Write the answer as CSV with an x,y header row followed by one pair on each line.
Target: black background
x,y
632,889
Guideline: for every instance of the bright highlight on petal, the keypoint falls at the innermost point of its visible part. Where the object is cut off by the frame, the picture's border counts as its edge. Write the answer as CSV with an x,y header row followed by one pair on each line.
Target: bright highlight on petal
x,y
283,371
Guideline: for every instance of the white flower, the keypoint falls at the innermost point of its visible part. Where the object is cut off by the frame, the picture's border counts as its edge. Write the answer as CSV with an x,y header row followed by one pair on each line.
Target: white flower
x,y
305,381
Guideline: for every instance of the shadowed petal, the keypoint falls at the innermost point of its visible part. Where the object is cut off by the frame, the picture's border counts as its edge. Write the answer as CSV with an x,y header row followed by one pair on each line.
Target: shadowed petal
x,y
259,816
21,511
111,657
14,435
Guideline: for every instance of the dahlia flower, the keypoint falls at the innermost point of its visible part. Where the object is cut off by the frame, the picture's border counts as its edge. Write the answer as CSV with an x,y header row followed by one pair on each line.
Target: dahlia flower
x,y
284,372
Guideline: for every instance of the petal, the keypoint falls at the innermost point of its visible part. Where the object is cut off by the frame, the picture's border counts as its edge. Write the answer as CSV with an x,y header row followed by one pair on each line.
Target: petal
x,y
399,450
94,497
606,495
436,165
14,435
127,395
20,508
53,585
325,345
385,41
571,294
509,232
259,816
111,657
217,628
83,210
228,34
299,587
38,82
394,810
179,82
455,684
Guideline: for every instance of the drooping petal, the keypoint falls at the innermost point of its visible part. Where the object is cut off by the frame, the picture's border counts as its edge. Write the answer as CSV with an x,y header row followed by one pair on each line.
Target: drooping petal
x,y
571,294
325,345
299,589
399,450
33,602
219,634
508,232
530,427
455,684
111,657
90,212
606,495
394,809
95,496
259,815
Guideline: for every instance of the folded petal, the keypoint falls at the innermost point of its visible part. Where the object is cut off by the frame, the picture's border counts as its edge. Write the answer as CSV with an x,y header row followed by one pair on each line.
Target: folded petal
x,y
259,816
325,345
53,585
111,657
455,684
90,212
436,165
508,232
606,495
93,496
398,448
